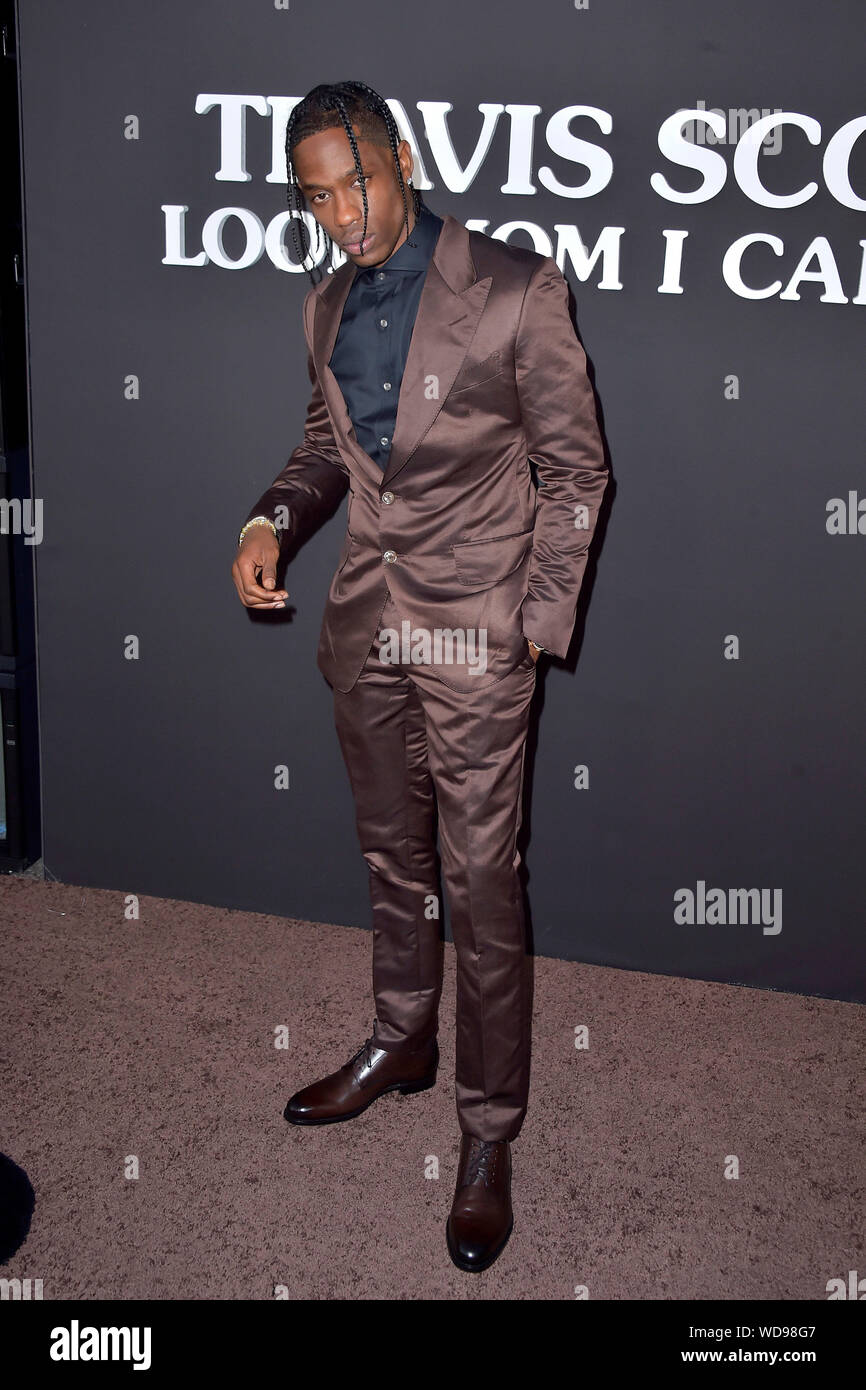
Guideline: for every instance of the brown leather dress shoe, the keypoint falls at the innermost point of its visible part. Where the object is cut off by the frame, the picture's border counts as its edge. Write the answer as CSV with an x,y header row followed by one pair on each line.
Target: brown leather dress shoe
x,y
369,1074
481,1218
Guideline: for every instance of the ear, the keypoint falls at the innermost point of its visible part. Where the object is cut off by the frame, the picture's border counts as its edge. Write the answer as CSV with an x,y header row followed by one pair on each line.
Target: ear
x,y
407,163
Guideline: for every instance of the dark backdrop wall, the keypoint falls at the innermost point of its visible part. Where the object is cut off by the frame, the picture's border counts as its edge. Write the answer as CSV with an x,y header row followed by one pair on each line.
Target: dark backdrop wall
x,y
714,693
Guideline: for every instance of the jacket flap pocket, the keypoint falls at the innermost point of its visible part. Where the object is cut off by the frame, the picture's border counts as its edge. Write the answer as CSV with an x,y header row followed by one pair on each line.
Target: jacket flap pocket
x,y
486,561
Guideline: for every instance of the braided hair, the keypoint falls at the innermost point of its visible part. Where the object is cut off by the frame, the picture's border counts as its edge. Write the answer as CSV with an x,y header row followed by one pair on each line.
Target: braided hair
x,y
326,107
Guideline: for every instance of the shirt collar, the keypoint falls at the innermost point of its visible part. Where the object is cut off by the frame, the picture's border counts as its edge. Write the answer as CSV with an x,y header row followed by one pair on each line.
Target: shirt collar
x,y
407,257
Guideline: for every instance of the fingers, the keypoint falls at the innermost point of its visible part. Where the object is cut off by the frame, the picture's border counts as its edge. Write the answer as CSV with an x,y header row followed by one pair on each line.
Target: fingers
x,y
251,593
269,573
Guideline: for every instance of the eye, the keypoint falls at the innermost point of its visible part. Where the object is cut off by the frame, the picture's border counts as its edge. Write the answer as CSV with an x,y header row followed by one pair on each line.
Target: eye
x,y
356,184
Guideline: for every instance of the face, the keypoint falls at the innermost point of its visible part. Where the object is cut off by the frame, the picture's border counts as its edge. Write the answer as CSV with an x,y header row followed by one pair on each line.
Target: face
x,y
325,170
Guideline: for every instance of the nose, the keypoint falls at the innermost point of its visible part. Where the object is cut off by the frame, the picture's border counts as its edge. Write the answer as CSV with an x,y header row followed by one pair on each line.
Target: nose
x,y
349,211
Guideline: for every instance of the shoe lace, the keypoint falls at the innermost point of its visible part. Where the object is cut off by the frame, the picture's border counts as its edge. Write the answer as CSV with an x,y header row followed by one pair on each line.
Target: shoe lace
x,y
362,1056
481,1157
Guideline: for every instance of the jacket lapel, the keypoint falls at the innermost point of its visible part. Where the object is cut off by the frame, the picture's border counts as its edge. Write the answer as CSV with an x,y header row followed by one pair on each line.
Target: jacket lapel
x,y
451,304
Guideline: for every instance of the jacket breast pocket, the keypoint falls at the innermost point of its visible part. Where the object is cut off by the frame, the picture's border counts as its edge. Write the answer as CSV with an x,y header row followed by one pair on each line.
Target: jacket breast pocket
x,y
476,373
481,564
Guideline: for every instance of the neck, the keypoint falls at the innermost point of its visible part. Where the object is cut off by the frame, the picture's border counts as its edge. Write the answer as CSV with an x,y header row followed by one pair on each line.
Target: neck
x,y
412,219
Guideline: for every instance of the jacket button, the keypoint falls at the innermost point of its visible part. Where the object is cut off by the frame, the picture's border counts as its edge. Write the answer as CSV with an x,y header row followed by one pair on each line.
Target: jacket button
x,y
389,557
387,498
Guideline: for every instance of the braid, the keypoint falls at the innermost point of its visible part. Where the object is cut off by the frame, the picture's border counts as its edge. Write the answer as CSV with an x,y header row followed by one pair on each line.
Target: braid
x,y
327,107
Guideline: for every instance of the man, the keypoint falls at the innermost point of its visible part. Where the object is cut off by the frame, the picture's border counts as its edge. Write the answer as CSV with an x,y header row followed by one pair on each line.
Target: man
x,y
441,362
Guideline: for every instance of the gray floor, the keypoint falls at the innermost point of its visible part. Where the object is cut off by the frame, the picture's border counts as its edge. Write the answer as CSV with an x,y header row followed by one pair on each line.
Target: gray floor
x,y
154,1041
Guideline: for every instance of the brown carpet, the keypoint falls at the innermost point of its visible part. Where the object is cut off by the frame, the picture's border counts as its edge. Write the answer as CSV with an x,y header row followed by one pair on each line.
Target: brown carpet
x,y
155,1038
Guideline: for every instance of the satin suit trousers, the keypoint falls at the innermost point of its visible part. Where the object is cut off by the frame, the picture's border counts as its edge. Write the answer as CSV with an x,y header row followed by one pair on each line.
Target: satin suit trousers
x,y
405,737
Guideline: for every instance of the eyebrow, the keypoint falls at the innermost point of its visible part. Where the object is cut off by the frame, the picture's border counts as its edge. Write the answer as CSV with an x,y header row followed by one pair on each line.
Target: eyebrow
x,y
349,172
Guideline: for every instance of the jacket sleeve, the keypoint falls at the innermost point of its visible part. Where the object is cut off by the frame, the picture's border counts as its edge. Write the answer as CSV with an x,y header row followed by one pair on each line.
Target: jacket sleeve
x,y
563,438
315,478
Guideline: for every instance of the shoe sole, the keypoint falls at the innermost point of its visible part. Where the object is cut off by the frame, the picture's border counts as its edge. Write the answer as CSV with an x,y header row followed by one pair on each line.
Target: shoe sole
x,y
476,1268
406,1088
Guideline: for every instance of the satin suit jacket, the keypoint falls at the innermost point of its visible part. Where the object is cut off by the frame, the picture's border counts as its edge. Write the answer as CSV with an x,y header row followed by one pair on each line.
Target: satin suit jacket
x,y
454,528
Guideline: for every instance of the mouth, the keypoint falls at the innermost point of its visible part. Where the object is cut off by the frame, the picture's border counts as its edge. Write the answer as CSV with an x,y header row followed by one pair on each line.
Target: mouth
x,y
353,248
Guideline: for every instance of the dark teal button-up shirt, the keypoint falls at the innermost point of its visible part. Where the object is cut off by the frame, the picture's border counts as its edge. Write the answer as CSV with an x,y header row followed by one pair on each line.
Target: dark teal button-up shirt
x,y
372,343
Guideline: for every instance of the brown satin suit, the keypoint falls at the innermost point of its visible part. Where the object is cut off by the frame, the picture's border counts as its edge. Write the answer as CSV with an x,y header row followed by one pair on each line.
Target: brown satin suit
x,y
453,536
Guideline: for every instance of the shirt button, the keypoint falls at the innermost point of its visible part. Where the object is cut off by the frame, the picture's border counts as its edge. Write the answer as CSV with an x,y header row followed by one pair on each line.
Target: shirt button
x,y
389,557
384,440
386,386
383,323
381,275
387,498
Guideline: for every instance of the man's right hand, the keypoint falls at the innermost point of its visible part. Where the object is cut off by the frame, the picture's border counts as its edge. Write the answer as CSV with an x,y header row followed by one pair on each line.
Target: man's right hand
x,y
257,560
